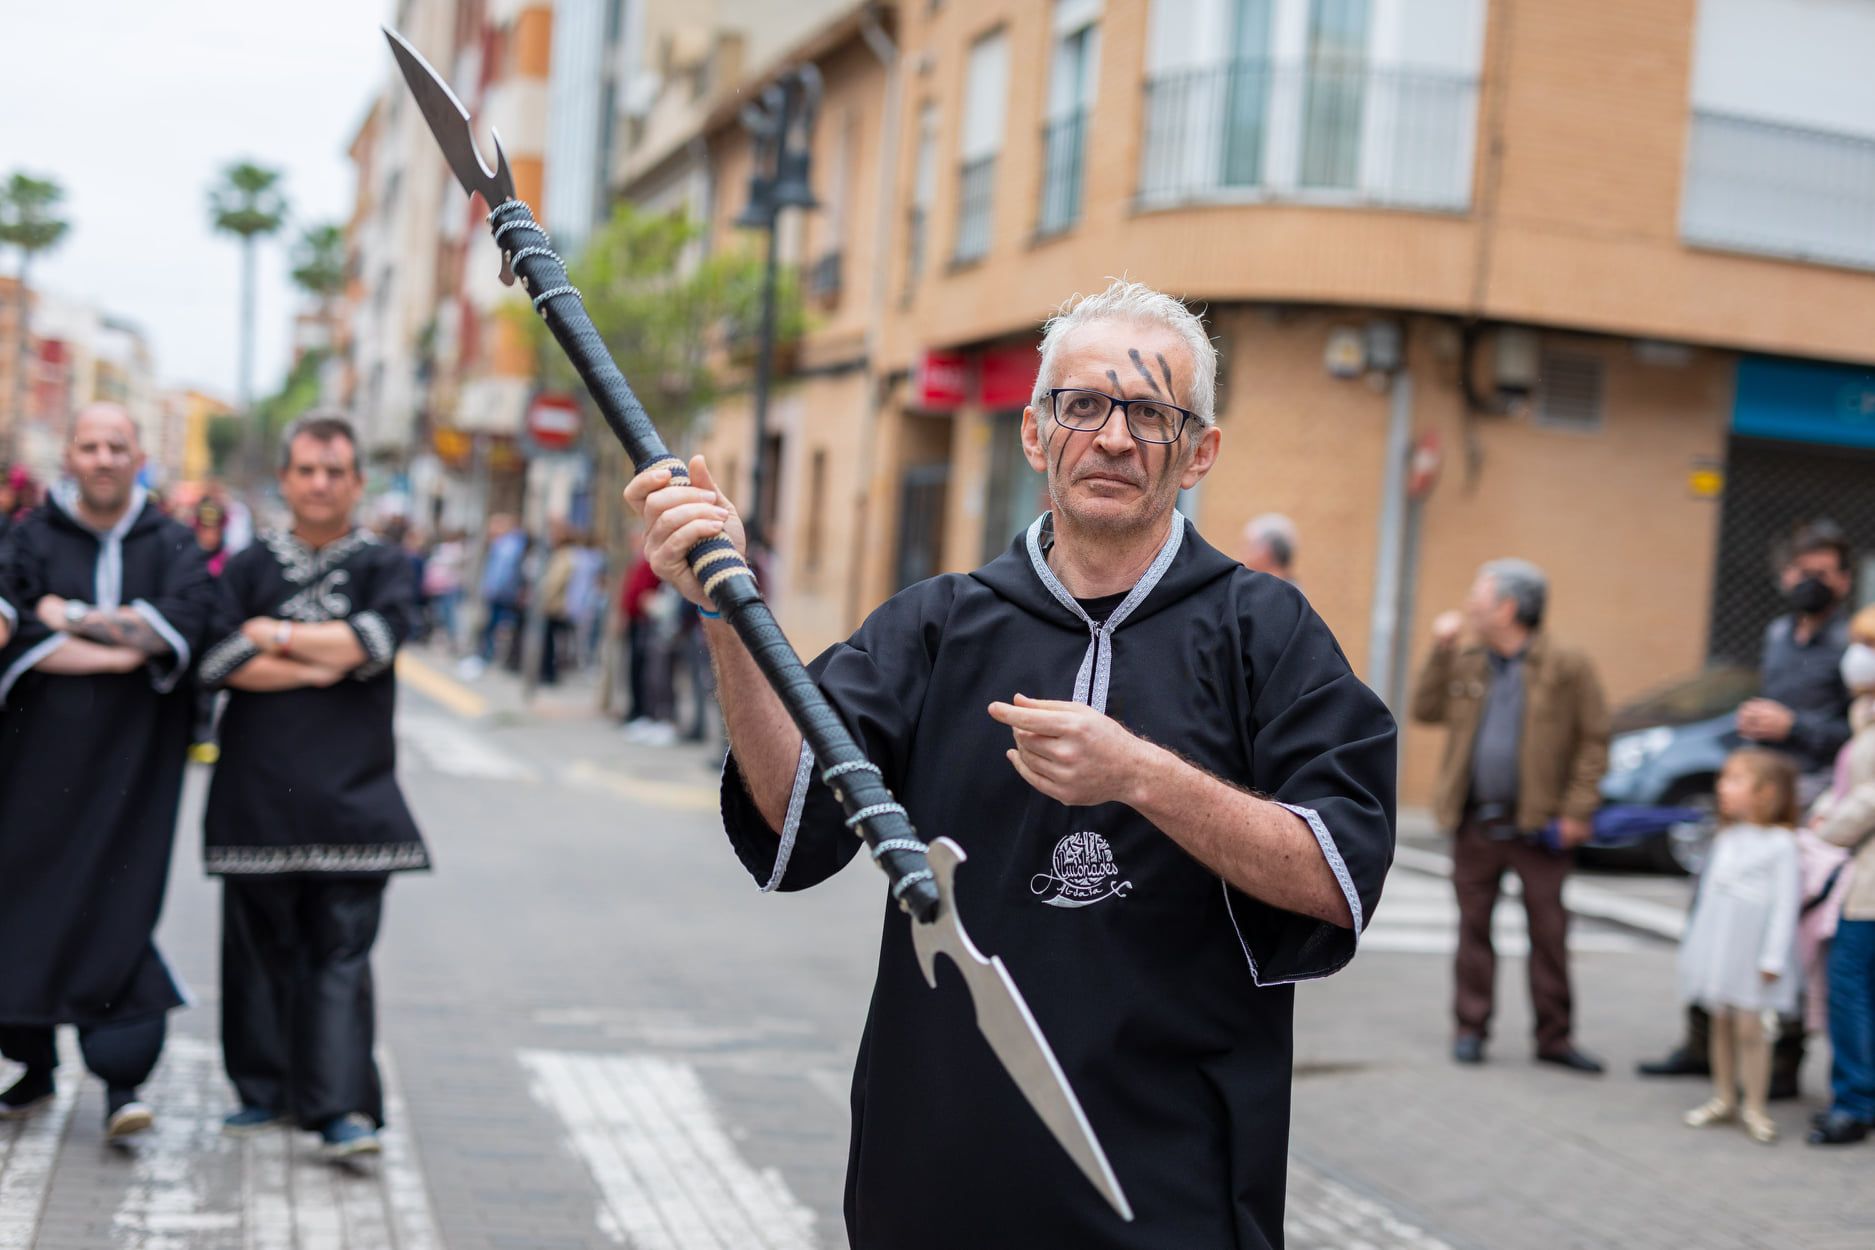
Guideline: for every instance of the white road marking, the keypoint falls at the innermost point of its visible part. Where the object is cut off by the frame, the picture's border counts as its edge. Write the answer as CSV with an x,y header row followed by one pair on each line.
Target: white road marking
x,y
1418,915
448,746
166,1205
1323,1214
28,1149
669,1176
1582,898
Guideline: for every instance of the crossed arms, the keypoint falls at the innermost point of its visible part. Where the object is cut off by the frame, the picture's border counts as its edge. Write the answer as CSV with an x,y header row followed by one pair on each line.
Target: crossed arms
x,y
104,640
294,655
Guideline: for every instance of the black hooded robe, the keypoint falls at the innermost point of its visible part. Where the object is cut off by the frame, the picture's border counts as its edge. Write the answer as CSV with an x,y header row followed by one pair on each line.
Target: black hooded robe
x,y
91,770
1165,993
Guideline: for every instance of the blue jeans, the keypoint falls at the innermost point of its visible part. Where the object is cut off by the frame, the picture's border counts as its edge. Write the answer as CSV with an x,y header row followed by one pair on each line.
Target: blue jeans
x,y
1852,1019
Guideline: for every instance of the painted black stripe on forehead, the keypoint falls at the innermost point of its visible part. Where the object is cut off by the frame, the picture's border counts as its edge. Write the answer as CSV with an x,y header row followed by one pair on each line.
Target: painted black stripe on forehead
x,y
1140,364
1115,379
1167,371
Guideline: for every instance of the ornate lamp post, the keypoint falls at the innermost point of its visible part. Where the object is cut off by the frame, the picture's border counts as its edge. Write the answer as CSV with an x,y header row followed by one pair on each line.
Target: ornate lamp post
x,y
781,124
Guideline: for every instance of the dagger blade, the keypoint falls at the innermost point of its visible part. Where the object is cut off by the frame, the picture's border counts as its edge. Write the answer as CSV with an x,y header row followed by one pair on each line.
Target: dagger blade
x,y
1004,1019
449,123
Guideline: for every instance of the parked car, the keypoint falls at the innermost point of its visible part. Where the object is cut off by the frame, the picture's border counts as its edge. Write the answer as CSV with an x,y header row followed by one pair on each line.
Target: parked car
x,y
1666,752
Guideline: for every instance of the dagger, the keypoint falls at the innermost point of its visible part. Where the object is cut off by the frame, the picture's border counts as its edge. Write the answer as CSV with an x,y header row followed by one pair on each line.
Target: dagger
x,y
922,877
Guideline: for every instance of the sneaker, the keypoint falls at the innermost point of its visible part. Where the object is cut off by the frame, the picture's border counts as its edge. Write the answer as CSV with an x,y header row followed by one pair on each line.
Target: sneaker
x,y
349,1135
249,1121
471,667
127,1119
27,1095
659,734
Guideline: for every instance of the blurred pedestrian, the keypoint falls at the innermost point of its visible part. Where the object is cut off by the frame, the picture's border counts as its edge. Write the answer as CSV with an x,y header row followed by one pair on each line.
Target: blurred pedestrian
x,y
1803,711
1846,817
209,519
556,578
442,585
1270,545
305,821
635,594
113,602
585,596
502,580
1738,959
1527,747
9,499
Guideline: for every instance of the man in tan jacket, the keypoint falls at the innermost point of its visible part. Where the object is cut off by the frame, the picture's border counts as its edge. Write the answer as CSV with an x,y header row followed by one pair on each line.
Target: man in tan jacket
x,y
1518,786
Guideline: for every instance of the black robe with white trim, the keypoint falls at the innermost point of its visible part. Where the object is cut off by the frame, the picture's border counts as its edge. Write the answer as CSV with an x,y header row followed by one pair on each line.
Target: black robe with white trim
x,y
1165,992
91,768
307,781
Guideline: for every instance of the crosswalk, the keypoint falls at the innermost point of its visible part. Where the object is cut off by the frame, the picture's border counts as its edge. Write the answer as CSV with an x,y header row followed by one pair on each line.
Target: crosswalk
x,y
1418,915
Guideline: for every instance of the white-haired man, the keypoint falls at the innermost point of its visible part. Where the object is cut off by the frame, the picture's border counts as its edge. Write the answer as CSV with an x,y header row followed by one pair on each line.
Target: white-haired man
x,y
1269,546
1518,788
1176,798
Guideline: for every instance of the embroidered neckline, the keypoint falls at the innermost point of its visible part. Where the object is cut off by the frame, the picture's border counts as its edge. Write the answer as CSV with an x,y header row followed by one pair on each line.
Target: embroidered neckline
x,y
300,563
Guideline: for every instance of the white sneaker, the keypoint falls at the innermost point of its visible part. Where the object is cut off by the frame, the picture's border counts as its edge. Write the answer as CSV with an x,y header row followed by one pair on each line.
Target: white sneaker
x,y
659,734
470,667
127,1121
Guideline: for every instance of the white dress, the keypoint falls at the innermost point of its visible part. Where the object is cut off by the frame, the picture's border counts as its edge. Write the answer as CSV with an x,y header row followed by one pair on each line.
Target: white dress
x,y
1745,923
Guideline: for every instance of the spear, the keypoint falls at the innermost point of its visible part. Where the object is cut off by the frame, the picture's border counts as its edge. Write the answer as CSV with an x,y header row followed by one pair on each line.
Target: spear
x,y
922,877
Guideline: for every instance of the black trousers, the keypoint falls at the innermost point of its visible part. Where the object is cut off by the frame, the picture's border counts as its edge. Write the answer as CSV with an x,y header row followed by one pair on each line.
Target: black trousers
x,y
297,1013
121,1054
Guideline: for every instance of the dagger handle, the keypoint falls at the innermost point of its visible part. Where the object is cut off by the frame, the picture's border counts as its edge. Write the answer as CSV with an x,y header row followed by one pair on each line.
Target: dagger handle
x,y
871,810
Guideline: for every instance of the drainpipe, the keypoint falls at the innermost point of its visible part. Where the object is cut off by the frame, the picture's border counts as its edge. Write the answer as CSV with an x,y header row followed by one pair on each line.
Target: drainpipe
x,y
1390,557
877,382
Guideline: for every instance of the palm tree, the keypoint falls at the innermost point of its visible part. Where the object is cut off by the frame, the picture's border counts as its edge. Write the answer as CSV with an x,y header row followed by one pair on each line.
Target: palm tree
x,y
319,270
249,204
29,221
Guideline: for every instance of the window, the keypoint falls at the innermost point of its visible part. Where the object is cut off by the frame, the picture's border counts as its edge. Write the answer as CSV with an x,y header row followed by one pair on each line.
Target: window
x,y
816,511
1013,495
923,191
1780,156
1347,100
986,87
1071,89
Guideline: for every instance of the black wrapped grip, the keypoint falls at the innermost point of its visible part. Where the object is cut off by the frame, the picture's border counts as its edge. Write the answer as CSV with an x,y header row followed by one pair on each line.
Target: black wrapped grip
x,y
720,568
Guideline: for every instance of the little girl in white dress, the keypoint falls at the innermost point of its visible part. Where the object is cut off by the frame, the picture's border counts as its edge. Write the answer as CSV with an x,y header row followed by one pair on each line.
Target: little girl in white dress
x,y
1739,957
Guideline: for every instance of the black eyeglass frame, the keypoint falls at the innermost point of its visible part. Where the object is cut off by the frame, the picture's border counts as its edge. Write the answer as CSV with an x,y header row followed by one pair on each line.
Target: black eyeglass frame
x,y
1186,415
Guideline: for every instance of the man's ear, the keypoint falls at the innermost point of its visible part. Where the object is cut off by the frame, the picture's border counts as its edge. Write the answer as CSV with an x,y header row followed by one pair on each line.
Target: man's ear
x,y
1204,450
1034,445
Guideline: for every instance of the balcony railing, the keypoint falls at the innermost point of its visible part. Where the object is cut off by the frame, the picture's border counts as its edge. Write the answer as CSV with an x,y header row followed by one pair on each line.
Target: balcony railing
x,y
1331,129
976,187
1064,143
1757,186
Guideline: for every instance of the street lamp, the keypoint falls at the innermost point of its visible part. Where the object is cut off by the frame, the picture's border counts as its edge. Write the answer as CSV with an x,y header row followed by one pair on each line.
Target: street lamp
x,y
781,126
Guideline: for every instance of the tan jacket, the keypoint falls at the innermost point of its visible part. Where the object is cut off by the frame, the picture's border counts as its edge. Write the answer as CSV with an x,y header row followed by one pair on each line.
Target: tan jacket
x,y
1564,751
1849,821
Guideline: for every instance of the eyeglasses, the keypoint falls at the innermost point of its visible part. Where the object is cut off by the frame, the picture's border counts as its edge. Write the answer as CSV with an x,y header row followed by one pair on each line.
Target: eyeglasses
x,y
1148,420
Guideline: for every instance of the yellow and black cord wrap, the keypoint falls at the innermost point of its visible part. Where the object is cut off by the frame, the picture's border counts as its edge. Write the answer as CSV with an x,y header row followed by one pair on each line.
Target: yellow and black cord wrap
x,y
725,576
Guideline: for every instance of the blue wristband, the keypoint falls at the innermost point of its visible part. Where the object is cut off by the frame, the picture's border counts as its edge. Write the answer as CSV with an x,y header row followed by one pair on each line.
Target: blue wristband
x,y
708,615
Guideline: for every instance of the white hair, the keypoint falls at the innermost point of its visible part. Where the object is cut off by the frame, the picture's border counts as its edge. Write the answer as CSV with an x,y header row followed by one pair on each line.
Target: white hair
x,y
1140,304
1521,582
1276,532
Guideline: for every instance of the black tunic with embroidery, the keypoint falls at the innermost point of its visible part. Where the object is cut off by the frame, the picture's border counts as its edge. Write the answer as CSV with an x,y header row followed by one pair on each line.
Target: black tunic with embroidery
x,y
307,781
91,769
1165,993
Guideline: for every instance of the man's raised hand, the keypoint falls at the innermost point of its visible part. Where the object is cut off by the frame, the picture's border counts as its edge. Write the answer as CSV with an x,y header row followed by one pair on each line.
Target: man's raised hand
x,y
1072,753
677,518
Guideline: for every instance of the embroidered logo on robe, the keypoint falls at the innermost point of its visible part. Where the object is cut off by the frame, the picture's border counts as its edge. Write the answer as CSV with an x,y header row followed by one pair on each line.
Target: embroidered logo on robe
x,y
1081,872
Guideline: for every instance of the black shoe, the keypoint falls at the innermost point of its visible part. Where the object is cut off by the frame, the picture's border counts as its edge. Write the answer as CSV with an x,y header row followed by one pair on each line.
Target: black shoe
x,y
1783,1087
1469,1048
26,1095
1838,1128
1679,1063
1573,1059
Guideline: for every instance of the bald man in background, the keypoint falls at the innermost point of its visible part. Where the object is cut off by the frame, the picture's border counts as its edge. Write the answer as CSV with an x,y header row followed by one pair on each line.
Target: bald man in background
x,y
1269,546
113,600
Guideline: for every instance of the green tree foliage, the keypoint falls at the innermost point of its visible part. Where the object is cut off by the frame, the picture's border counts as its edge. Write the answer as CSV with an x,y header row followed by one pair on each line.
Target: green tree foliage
x,y
248,202
318,260
676,325
298,394
29,216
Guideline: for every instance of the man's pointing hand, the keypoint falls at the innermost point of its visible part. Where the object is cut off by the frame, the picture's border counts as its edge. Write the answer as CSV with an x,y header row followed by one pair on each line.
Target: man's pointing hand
x,y
1074,754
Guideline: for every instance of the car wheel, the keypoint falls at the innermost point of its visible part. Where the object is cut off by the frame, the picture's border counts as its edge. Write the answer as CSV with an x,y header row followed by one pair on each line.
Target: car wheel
x,y
1683,848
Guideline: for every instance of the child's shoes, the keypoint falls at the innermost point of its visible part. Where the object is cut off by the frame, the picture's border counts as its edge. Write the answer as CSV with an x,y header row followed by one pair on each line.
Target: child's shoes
x,y
1715,1111
1760,1127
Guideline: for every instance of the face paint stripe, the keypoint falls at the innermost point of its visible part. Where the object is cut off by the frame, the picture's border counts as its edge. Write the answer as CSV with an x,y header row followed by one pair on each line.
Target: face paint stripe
x,y
1167,370
1144,372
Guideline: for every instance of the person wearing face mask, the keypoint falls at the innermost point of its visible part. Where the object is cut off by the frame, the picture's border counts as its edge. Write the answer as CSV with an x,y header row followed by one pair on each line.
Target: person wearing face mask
x,y
1802,710
1845,816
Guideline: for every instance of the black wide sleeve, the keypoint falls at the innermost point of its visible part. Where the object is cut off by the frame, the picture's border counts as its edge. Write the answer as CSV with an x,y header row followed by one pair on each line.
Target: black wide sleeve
x,y
234,595
876,681
1324,746
24,582
388,614
184,609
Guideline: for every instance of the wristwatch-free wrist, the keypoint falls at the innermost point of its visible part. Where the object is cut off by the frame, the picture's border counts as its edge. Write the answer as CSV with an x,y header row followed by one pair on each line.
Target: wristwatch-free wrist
x,y
76,611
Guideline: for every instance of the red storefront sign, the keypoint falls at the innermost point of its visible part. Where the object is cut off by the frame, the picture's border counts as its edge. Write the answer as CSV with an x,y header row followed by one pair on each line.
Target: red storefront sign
x,y
1007,376
942,382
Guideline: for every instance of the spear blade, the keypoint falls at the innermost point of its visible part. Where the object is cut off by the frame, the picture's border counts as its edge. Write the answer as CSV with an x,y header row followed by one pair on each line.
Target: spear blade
x,y
449,123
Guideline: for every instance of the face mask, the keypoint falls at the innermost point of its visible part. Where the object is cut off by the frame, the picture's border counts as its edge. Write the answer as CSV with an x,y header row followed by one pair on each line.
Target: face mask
x,y
1810,596
1858,667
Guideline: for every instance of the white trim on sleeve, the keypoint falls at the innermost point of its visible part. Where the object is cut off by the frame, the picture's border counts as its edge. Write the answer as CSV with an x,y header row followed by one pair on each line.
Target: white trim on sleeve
x,y
791,826
1332,854
164,681
27,662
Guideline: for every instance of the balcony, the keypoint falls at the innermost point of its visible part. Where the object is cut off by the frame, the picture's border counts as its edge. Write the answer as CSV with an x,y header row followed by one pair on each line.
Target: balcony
x,y
1777,190
1324,131
1064,143
976,188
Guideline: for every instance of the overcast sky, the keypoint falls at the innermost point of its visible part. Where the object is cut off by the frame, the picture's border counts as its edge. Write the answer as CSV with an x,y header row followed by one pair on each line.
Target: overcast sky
x,y
134,106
